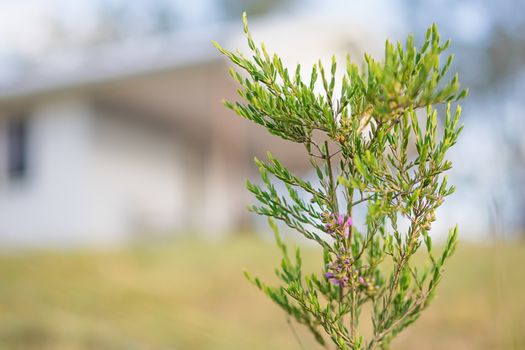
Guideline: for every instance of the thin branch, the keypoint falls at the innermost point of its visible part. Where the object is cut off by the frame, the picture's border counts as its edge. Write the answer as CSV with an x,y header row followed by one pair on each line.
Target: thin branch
x,y
295,333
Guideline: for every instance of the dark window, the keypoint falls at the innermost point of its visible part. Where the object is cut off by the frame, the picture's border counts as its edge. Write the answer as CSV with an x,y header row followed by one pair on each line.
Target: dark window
x,y
17,148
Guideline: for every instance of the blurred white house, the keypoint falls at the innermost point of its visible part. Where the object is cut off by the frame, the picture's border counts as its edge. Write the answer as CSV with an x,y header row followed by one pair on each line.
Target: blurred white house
x,y
100,146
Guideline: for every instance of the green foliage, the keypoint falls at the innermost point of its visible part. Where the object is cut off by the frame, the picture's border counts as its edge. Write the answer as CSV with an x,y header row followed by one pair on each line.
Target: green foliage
x,y
374,142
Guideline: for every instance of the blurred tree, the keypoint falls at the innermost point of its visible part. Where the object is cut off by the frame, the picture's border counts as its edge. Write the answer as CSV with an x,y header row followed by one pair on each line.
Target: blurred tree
x,y
115,20
109,23
493,67
165,17
499,54
118,19
233,8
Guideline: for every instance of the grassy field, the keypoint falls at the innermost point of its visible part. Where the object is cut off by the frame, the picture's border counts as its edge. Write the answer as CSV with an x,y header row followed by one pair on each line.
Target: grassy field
x,y
192,295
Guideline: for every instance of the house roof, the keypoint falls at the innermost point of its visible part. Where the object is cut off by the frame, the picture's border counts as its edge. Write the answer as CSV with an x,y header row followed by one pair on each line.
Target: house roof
x,y
92,66
305,37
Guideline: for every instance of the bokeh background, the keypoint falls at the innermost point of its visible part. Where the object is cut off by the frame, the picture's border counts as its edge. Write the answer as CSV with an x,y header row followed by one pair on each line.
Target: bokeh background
x,y
122,200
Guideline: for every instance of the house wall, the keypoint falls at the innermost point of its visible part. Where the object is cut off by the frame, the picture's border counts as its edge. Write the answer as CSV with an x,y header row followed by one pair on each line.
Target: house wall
x,y
49,205
215,158
94,178
141,177
149,155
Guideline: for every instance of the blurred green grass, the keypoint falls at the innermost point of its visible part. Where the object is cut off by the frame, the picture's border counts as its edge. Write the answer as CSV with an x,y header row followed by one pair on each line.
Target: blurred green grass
x,y
192,295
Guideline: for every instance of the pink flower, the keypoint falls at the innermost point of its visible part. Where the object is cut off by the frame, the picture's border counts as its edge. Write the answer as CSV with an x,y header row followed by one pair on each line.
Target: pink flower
x,y
337,223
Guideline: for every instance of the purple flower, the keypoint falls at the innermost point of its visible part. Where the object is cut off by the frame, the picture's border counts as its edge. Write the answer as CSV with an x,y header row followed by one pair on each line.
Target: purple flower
x,y
334,279
337,224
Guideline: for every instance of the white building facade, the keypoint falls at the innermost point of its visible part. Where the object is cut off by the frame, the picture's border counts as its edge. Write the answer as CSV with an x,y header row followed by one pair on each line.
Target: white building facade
x,y
134,141
72,175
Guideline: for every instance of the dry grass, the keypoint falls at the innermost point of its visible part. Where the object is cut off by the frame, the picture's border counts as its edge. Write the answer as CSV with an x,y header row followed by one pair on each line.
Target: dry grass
x,y
191,295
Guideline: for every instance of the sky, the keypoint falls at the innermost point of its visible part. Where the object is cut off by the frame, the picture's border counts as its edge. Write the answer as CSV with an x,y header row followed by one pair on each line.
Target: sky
x,y
25,25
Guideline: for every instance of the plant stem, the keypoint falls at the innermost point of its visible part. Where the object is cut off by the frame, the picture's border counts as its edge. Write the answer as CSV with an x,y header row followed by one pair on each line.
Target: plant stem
x,y
332,187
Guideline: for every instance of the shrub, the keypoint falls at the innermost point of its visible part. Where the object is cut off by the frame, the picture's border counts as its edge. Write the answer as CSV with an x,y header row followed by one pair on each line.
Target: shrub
x,y
374,142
